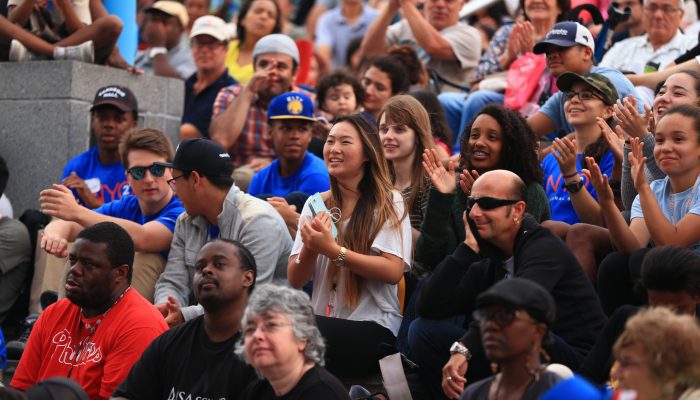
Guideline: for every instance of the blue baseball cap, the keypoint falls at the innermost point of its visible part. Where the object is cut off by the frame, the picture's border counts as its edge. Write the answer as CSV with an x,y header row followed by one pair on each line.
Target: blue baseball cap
x,y
566,34
291,105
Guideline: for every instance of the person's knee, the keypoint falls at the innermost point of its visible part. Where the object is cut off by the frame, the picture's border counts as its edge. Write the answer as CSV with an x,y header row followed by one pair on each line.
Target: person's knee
x,y
110,25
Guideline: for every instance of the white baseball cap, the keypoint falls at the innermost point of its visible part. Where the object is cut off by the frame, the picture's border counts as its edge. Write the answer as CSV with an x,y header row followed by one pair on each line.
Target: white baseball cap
x,y
210,25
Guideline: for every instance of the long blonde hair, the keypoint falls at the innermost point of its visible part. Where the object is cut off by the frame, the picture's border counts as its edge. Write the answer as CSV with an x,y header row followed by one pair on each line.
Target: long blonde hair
x,y
376,194
406,110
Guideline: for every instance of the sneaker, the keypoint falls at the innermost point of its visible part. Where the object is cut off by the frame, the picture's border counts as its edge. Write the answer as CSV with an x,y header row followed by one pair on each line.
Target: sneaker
x,y
84,52
20,53
15,348
358,392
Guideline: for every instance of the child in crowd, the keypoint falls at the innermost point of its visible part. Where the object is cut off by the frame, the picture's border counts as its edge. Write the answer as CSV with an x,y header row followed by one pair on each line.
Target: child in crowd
x,y
338,94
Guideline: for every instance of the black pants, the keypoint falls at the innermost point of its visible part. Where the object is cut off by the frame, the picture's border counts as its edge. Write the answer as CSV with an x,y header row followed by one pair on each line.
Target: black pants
x,y
353,348
619,280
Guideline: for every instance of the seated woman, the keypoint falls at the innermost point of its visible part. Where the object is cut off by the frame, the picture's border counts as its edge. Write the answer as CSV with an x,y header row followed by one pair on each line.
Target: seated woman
x,y
497,138
657,356
404,131
386,77
514,318
355,291
667,211
281,341
256,18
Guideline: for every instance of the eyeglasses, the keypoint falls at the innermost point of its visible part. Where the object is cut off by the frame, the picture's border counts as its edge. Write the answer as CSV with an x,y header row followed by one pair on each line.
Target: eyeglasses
x,y
171,182
139,173
502,318
488,203
667,9
584,95
269,326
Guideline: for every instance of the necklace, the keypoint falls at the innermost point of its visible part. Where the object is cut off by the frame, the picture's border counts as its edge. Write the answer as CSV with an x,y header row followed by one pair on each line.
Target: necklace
x,y
85,344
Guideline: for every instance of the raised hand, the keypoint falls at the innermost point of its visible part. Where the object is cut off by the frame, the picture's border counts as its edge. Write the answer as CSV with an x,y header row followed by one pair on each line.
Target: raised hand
x,y
59,202
73,181
442,179
469,239
565,154
629,119
637,161
317,235
599,181
615,140
466,181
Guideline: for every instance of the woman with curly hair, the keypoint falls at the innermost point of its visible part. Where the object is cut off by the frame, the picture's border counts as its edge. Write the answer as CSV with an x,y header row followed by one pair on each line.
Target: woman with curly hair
x,y
386,77
657,356
497,138
355,274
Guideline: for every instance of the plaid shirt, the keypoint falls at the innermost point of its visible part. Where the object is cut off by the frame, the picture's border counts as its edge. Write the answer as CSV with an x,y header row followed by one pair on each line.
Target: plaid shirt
x,y
255,139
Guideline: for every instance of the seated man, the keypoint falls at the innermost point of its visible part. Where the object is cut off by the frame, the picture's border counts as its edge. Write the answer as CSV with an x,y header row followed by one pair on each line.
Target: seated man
x,y
209,41
671,278
148,215
443,43
98,332
501,242
657,48
224,277
86,32
168,55
239,119
296,173
216,208
97,175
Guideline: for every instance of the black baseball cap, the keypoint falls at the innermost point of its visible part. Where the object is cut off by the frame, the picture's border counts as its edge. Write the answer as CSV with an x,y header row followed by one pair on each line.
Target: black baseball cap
x,y
56,389
117,96
521,294
206,157
597,82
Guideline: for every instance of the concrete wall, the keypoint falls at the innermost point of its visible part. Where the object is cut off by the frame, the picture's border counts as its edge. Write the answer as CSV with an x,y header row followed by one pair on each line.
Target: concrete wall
x,y
45,118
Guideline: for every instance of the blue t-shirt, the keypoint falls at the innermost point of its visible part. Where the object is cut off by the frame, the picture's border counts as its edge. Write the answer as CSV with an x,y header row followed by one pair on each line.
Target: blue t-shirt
x,y
554,107
312,177
558,196
107,181
128,208
3,351
675,206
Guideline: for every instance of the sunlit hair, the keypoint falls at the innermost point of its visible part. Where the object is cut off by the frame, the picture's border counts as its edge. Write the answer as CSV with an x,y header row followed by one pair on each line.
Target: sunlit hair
x,y
148,139
374,207
670,343
295,305
406,110
518,144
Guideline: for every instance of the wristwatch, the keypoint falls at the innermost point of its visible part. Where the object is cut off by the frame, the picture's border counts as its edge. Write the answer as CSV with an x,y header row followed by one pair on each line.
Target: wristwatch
x,y
574,186
154,51
340,261
458,347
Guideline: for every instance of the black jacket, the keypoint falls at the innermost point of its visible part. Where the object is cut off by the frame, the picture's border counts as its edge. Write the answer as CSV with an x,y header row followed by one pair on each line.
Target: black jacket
x,y
538,255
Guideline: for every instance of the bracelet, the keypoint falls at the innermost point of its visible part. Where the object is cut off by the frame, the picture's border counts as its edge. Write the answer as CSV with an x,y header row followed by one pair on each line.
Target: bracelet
x,y
570,175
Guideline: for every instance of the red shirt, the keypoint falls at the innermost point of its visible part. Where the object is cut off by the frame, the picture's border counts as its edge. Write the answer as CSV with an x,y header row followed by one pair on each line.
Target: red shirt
x,y
104,357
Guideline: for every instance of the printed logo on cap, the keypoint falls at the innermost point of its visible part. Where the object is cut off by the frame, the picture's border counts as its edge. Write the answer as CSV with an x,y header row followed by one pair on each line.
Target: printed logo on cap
x,y
295,105
111,92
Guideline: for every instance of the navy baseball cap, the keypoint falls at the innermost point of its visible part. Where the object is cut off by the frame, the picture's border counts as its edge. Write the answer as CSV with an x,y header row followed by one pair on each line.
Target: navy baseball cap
x,y
566,34
202,155
117,96
521,294
291,105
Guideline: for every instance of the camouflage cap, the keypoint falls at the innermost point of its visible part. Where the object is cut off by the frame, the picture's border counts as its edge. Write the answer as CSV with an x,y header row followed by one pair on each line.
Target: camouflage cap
x,y
599,83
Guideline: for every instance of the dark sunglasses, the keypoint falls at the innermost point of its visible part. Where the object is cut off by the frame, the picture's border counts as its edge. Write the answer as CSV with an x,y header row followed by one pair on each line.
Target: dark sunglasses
x,y
139,172
488,203
502,318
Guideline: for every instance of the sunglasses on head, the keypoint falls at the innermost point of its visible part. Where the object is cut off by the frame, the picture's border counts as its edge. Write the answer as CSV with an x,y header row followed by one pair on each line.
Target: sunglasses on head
x,y
139,172
488,203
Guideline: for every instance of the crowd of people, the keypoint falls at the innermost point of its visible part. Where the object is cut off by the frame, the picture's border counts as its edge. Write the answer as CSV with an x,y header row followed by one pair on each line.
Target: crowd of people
x,y
506,199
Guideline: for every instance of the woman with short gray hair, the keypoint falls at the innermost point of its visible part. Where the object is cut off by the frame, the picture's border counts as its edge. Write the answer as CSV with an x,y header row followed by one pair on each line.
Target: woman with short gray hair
x,y
281,341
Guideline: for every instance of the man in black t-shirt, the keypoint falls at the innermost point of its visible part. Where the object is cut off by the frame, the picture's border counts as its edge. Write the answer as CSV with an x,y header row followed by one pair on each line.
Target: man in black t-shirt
x,y
196,359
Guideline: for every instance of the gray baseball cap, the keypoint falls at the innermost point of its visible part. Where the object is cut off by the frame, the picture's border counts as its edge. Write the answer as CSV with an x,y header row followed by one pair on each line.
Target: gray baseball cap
x,y
277,43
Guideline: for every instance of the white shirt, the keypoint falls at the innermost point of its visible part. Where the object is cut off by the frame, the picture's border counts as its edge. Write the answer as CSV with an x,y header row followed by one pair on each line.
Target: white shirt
x,y
378,301
632,54
81,7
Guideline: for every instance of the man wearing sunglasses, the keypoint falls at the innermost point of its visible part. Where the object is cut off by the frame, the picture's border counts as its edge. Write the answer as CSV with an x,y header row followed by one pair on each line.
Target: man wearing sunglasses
x,y
148,215
501,242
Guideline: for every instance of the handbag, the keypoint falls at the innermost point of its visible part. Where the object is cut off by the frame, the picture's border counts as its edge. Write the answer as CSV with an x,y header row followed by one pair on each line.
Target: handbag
x,y
522,79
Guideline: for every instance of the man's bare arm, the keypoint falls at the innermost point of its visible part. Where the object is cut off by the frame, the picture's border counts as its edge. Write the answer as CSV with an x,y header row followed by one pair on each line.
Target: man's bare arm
x,y
374,42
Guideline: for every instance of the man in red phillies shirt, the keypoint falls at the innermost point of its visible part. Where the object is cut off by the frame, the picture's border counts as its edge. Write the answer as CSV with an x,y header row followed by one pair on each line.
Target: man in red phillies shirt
x,y
100,329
